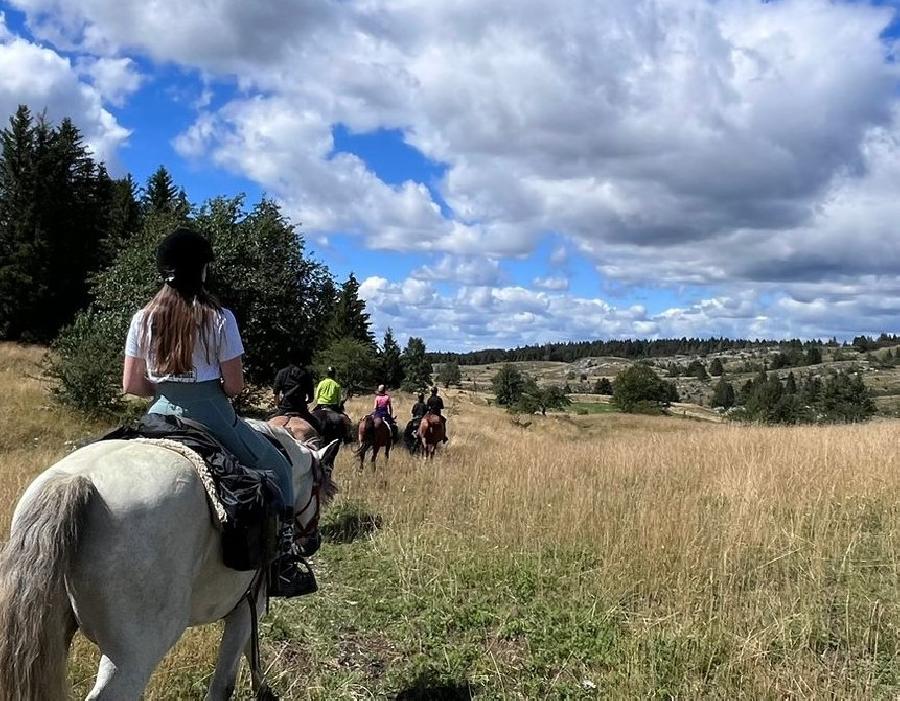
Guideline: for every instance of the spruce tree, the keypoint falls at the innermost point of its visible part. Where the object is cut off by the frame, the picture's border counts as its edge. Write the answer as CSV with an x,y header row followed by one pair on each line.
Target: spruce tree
x,y
416,367
161,195
391,367
349,318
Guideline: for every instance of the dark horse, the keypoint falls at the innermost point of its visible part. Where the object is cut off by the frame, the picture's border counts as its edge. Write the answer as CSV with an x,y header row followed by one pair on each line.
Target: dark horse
x,y
335,426
374,433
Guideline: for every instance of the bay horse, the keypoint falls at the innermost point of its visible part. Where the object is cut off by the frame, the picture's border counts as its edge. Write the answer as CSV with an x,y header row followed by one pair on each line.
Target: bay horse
x,y
117,539
431,432
374,434
299,428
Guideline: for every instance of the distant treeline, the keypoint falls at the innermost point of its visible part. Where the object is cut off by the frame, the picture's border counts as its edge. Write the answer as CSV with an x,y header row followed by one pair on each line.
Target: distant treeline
x,y
636,349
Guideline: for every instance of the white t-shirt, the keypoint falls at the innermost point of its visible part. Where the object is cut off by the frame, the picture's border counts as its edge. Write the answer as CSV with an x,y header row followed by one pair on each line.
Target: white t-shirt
x,y
224,344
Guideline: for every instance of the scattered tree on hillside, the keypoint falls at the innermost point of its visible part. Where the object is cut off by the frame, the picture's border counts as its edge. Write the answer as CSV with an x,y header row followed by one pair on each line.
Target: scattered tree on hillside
x,y
813,355
697,370
638,386
416,367
448,374
534,398
723,395
508,385
716,369
603,386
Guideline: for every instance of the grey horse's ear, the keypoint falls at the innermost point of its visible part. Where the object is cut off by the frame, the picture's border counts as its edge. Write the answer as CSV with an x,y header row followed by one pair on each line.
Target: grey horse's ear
x,y
327,454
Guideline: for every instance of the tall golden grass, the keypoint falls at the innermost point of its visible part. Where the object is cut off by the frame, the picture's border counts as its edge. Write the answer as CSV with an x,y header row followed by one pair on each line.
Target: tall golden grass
x,y
752,561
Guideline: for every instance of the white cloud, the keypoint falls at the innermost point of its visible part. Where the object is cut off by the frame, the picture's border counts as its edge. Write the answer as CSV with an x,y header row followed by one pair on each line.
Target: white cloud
x,y
4,32
115,78
750,148
42,79
558,282
462,271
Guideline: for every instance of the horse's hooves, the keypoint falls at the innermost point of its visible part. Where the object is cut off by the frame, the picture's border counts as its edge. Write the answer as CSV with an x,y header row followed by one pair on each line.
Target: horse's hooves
x,y
265,693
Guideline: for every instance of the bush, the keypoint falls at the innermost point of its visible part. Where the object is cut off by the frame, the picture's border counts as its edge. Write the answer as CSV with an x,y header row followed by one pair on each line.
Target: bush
x,y
86,363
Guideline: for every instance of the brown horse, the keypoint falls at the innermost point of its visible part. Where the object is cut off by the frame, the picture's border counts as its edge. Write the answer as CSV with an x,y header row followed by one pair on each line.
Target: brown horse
x,y
374,433
431,432
300,429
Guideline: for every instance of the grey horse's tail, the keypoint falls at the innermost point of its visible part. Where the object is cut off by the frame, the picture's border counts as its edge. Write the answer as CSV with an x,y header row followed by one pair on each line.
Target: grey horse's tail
x,y
36,618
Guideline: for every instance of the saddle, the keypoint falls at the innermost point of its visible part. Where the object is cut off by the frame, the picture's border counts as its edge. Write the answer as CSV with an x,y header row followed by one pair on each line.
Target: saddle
x,y
245,504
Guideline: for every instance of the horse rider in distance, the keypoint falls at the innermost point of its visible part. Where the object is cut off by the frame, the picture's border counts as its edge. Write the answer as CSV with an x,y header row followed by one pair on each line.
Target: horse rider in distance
x,y
436,406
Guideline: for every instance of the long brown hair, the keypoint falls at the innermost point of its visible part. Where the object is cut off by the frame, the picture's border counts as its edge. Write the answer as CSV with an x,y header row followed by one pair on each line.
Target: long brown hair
x,y
174,322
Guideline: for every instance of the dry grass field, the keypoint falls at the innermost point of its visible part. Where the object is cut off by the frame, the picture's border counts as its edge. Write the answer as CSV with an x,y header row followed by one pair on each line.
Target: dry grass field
x,y
588,556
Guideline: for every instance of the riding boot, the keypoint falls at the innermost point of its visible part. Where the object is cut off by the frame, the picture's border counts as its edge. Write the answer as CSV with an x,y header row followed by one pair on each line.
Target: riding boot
x,y
446,437
290,574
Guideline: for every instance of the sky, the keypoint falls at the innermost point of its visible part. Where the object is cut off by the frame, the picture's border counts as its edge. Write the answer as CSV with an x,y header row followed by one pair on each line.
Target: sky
x,y
518,171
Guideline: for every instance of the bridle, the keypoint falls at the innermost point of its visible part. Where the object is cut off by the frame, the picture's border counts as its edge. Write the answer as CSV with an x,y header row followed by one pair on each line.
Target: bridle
x,y
320,476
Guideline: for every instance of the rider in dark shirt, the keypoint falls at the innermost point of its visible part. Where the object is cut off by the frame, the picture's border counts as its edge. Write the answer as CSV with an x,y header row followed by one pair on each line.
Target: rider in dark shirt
x,y
293,391
420,408
436,407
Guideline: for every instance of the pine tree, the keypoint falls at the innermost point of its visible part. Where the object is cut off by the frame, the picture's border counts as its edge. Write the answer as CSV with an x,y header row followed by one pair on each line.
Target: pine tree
x,y
54,202
391,367
790,386
161,195
349,318
716,369
723,395
416,367
124,217
17,211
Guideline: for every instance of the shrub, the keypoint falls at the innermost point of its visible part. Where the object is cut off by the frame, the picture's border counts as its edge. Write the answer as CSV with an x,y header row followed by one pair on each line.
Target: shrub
x,y
86,363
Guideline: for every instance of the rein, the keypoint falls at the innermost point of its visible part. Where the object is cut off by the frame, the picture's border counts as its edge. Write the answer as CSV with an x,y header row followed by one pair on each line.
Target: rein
x,y
301,531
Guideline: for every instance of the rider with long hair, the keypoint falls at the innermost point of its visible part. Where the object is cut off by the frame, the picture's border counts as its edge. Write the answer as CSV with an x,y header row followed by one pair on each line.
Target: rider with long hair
x,y
184,349
384,410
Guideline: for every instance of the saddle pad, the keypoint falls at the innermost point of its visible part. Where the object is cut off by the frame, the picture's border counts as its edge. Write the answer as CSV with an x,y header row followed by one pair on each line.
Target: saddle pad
x,y
219,516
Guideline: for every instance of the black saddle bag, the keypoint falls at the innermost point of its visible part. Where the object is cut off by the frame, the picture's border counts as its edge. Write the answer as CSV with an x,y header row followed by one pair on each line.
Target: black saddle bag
x,y
251,498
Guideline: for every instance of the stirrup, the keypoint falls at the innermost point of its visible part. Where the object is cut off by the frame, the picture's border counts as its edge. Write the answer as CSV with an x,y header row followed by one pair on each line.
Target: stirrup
x,y
290,575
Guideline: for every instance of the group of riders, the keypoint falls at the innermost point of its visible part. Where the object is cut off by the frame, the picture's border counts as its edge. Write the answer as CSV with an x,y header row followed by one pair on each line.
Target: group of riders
x,y
184,350
293,392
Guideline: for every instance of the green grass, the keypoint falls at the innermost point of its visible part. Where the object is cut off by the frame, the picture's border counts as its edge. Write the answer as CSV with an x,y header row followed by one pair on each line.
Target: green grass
x,y
592,408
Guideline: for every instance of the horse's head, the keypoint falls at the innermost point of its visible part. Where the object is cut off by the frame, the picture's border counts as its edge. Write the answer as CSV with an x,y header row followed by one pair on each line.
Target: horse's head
x,y
316,489
313,485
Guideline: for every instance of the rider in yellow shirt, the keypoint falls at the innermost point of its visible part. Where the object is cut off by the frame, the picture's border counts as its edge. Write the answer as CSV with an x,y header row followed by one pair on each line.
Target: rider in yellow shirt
x,y
328,393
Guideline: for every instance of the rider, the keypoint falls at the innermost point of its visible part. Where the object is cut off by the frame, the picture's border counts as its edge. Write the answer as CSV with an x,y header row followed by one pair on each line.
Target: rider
x,y
436,406
419,409
418,412
184,350
328,392
293,390
384,410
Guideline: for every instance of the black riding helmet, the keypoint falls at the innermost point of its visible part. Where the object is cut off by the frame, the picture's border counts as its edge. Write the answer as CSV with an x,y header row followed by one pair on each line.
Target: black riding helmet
x,y
181,258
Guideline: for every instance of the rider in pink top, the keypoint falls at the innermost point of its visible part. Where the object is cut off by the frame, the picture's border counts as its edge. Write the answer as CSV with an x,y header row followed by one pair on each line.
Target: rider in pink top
x,y
384,410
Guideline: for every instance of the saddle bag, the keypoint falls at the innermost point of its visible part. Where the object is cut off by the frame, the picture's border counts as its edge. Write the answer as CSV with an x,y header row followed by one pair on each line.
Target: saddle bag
x,y
250,499
250,535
